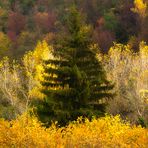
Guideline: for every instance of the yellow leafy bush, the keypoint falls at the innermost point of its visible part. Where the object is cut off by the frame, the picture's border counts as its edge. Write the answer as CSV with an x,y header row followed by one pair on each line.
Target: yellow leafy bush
x,y
107,132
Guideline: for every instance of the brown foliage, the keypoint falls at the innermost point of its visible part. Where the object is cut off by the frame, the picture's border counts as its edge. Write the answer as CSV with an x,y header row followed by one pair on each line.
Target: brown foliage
x,y
44,20
103,37
16,22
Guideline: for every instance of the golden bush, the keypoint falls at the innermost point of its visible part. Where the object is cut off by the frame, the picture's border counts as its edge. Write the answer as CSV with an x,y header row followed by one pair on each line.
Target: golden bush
x,y
107,132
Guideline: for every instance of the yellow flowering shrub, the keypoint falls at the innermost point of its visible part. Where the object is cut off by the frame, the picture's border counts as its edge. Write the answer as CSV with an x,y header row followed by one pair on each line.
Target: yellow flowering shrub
x,y
106,132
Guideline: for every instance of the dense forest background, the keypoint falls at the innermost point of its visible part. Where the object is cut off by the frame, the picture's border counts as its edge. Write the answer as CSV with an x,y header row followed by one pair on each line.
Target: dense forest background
x,y
23,23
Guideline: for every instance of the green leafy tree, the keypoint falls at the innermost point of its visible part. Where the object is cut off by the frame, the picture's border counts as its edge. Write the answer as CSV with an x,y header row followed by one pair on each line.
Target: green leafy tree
x,y
74,83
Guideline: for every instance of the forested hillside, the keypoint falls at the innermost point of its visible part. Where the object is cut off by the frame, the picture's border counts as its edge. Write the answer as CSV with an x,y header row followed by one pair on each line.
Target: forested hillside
x,y
74,73
23,23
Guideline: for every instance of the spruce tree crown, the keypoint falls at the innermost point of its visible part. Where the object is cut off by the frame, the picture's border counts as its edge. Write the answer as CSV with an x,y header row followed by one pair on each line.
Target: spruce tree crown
x,y
75,83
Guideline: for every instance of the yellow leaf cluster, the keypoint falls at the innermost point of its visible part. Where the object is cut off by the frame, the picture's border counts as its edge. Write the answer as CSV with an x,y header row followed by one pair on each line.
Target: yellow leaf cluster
x,y
43,51
140,7
33,64
144,49
106,132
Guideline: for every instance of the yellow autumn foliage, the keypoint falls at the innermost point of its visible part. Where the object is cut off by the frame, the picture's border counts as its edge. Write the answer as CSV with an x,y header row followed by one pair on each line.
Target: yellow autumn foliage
x,y
140,7
106,132
129,71
33,64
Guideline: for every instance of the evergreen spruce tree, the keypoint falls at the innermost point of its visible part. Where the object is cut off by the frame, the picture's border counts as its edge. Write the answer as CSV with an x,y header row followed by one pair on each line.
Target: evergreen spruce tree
x,y
75,83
